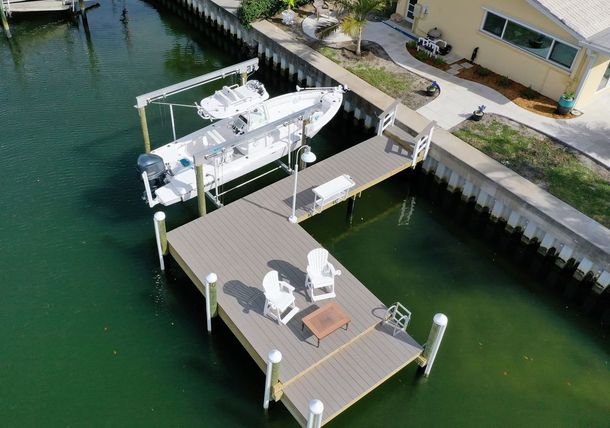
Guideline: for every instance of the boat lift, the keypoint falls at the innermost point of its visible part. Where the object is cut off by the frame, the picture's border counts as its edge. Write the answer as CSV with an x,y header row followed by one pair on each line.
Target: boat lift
x,y
243,69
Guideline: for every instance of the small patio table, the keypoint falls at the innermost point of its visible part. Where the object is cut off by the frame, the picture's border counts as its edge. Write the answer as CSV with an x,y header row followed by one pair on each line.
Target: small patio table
x,y
326,320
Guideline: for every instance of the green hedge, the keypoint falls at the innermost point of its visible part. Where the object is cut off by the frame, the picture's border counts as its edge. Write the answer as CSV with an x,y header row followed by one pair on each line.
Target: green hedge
x,y
251,10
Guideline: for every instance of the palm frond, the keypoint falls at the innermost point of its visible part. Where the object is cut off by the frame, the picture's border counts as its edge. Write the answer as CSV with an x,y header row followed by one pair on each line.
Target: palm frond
x,y
325,30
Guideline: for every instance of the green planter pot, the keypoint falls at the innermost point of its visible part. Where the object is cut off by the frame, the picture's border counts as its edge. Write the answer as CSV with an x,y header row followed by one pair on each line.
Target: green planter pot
x,y
565,105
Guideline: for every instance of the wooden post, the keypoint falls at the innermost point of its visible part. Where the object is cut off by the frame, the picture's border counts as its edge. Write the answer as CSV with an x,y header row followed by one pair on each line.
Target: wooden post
x,y
316,407
211,305
144,124
303,165
439,324
200,178
161,236
7,29
160,220
273,374
351,202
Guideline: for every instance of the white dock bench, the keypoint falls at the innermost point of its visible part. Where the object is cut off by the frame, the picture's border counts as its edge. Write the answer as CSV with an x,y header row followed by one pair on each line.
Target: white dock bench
x,y
333,191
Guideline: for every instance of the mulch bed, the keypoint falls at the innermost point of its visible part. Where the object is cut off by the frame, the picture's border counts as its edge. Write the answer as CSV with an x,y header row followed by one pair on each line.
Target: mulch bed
x,y
540,104
425,58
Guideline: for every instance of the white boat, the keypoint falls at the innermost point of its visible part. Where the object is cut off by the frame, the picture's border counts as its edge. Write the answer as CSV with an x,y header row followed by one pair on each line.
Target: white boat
x,y
232,100
232,147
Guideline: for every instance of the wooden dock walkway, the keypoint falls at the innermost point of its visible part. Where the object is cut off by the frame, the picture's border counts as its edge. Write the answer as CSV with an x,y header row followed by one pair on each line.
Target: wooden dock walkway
x,y
25,6
244,240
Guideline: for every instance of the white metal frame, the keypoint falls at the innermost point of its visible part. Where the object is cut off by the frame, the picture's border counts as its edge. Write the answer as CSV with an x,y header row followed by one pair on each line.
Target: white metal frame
x,y
429,46
516,21
398,317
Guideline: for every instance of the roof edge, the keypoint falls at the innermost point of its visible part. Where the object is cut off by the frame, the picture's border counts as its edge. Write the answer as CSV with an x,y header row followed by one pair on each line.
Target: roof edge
x,y
536,5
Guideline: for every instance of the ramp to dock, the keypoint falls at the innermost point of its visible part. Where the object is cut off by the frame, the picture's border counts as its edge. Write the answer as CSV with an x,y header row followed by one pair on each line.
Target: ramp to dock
x,y
244,240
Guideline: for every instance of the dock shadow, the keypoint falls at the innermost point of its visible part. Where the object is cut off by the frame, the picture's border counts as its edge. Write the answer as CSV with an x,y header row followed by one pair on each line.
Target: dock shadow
x,y
305,199
400,335
250,298
396,149
296,325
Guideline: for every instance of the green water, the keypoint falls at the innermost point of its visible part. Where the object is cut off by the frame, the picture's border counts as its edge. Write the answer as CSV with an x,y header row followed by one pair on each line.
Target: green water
x,y
94,335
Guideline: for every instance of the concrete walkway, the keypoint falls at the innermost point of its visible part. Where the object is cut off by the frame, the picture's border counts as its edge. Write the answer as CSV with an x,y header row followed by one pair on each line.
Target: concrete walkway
x,y
589,133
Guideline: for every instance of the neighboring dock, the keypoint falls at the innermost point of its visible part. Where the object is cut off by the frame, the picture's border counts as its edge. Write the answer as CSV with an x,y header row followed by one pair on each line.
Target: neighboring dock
x,y
25,6
244,240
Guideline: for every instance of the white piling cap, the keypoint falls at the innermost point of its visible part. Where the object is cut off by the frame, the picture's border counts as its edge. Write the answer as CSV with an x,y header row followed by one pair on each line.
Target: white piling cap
x,y
316,406
159,216
441,319
275,356
211,278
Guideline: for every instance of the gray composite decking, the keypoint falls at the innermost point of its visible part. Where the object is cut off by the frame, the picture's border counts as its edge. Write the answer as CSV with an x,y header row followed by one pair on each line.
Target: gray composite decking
x,y
244,240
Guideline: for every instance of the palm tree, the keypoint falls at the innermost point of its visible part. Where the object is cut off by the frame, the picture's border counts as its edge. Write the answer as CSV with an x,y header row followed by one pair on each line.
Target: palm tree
x,y
352,19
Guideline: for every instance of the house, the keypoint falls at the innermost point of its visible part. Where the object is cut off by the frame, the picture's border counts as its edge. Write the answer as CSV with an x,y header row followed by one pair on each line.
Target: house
x,y
552,45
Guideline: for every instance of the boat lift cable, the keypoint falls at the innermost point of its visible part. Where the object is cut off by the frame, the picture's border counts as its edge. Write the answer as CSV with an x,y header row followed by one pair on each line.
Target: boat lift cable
x,y
173,104
250,181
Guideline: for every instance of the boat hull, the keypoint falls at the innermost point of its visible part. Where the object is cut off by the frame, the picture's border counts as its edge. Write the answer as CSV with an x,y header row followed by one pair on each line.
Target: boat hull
x,y
229,154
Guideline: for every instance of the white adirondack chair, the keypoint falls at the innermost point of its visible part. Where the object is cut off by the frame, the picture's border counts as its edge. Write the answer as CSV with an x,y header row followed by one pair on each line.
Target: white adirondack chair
x,y
278,298
398,317
320,275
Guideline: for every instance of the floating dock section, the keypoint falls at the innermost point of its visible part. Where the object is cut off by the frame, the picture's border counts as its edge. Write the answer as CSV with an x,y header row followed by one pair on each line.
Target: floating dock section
x,y
244,240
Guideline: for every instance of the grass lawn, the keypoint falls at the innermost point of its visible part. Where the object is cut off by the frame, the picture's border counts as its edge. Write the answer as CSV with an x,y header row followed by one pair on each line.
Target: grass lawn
x,y
545,162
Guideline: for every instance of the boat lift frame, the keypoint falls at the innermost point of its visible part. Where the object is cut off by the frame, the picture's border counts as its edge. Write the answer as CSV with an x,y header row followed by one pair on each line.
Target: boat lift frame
x,y
243,69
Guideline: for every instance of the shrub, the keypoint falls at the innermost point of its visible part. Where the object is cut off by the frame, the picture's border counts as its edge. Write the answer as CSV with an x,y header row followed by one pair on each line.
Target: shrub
x,y
482,71
438,61
422,56
251,10
412,44
504,81
528,93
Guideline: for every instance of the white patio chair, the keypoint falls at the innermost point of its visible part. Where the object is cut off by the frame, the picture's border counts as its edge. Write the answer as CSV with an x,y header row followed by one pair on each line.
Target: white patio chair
x,y
320,275
278,298
398,317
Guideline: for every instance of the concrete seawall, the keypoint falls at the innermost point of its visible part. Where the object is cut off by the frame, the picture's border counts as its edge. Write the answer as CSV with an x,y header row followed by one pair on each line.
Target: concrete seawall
x,y
558,229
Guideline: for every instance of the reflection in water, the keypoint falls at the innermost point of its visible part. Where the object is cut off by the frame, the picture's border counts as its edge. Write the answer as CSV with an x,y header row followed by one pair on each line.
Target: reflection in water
x,y
184,58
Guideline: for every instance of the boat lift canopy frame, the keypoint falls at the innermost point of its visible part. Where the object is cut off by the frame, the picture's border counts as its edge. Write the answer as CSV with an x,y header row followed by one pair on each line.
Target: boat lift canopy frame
x,y
246,67
243,68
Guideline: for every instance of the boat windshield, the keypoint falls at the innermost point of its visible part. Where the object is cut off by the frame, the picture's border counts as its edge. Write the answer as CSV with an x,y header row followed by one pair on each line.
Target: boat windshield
x,y
257,118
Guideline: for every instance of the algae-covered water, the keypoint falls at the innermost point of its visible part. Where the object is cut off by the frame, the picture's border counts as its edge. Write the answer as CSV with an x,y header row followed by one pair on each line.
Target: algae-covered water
x,y
94,335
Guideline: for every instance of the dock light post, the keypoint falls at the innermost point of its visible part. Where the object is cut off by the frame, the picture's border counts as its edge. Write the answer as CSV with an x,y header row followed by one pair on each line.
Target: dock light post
x,y
307,157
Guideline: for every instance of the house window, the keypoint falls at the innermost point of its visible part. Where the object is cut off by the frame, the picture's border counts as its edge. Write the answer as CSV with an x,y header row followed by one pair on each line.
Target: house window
x,y
530,40
605,79
563,54
494,24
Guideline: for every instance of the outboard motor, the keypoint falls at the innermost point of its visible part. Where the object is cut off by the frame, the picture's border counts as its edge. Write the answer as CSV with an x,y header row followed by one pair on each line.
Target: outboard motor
x,y
154,167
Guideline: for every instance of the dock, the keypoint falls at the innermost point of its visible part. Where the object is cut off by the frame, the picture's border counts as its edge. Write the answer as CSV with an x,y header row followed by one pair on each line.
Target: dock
x,y
245,239
25,6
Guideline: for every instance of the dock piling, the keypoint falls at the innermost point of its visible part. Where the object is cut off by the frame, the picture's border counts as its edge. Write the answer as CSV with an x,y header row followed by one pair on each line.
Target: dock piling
x,y
351,203
161,236
273,374
200,177
144,124
211,302
439,324
5,26
316,407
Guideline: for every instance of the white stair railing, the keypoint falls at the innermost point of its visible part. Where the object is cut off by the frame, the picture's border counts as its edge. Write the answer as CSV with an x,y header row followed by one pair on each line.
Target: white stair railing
x,y
387,117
